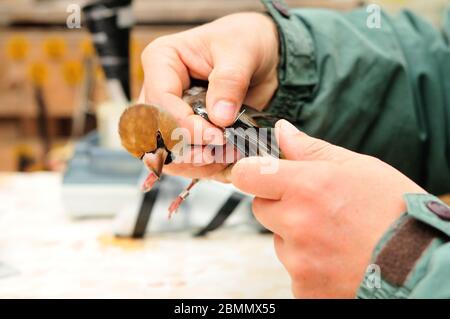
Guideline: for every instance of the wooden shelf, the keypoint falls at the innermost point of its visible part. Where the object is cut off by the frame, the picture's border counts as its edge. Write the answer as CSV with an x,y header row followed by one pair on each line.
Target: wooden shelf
x,y
154,11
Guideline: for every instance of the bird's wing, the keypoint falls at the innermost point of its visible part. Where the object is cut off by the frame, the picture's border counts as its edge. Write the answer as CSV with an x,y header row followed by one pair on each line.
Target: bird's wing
x,y
245,133
251,139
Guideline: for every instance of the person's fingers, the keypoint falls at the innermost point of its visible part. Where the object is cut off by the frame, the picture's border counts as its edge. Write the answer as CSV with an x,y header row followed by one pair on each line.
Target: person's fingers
x,y
309,158
259,95
191,171
202,131
165,78
164,74
263,210
265,177
224,176
197,155
229,81
267,213
296,145
276,179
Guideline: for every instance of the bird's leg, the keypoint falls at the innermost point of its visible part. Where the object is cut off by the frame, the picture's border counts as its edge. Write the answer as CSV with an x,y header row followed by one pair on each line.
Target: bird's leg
x,y
180,198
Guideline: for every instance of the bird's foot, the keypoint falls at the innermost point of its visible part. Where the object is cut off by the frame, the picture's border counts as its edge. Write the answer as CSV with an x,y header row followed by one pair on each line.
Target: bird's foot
x,y
180,198
177,202
174,205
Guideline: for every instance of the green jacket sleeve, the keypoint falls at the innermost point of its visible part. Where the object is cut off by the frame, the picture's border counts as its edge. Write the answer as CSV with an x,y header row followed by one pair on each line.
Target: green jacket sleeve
x,y
412,259
384,92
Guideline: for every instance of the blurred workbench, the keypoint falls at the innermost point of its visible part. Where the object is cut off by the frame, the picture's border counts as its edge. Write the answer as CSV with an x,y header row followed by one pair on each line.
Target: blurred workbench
x,y
53,256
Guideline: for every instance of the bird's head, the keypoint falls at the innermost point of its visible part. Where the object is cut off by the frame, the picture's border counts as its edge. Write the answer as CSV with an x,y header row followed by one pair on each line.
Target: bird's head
x,y
146,132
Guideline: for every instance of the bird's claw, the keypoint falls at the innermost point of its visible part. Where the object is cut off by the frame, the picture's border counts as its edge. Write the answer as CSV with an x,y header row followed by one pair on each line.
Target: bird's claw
x,y
175,205
177,202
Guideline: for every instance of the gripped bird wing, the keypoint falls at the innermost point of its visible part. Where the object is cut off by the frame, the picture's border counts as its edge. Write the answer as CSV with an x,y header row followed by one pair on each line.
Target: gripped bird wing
x,y
245,133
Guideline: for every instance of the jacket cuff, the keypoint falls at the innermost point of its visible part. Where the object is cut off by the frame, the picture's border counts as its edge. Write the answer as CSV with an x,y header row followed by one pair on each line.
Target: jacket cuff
x,y
297,73
402,256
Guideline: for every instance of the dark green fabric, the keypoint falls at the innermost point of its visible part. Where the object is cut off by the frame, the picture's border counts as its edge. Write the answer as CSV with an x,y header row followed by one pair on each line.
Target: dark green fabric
x,y
430,277
382,92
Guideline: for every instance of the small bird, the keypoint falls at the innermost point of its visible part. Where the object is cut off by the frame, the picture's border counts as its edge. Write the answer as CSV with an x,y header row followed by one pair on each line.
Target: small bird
x,y
146,132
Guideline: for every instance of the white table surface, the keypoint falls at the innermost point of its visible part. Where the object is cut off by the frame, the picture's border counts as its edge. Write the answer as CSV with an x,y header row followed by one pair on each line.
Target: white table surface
x,y
57,257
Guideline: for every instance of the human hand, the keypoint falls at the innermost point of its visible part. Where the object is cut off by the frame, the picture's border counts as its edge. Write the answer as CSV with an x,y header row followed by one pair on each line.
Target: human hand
x,y
327,207
238,54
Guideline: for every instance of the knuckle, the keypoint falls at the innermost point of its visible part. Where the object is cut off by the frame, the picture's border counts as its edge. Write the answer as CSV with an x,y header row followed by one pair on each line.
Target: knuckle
x,y
145,54
257,207
231,76
154,46
161,41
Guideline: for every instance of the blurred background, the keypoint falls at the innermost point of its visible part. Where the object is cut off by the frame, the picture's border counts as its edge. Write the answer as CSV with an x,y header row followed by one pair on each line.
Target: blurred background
x,y
72,216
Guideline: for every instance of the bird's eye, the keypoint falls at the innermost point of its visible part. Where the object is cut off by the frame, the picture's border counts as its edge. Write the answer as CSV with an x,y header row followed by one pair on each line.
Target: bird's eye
x,y
159,140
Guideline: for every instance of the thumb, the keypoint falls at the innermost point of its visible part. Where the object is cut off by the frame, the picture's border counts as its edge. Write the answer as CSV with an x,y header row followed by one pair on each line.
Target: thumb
x,y
299,146
228,85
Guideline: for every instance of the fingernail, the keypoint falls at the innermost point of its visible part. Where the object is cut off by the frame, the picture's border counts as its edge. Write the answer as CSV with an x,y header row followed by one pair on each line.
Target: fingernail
x,y
287,127
225,111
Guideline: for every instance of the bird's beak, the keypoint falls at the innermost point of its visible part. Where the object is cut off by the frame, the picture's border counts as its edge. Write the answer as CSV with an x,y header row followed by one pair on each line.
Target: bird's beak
x,y
155,161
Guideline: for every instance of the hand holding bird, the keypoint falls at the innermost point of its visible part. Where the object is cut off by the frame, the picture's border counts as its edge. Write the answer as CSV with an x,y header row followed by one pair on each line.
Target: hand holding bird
x,y
240,68
147,132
